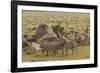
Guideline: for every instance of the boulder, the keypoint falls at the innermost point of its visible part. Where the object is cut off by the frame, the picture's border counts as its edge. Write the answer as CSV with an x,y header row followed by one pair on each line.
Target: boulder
x,y
45,33
35,46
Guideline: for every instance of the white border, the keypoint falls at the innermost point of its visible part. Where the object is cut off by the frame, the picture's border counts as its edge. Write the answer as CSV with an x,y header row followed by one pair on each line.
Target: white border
x,y
53,63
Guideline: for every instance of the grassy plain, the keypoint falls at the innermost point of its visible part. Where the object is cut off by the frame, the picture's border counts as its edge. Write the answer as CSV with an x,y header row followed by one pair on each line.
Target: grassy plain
x,y
83,52
77,21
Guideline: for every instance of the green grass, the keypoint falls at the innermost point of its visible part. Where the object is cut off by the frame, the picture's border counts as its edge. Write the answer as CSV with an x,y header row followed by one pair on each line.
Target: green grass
x,y
83,52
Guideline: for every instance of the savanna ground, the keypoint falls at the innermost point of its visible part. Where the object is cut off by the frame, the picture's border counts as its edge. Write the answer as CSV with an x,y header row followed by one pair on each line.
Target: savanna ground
x,y
83,52
77,21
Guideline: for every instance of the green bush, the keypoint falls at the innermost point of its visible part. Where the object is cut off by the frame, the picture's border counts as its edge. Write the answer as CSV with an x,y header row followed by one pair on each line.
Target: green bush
x,y
58,28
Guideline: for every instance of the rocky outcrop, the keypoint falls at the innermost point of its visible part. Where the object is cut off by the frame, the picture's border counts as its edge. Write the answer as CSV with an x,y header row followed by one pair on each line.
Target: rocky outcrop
x,y
45,33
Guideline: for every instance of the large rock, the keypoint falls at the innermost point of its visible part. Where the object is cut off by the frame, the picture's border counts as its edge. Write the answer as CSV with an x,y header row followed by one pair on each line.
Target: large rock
x,y
45,33
35,46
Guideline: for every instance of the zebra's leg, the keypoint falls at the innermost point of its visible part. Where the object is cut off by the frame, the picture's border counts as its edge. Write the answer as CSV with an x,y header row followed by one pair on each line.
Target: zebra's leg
x,y
43,51
62,51
47,52
54,52
66,51
76,51
72,51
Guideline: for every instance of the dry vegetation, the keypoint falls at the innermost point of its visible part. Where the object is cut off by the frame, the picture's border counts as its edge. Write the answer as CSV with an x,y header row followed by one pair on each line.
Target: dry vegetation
x,y
68,21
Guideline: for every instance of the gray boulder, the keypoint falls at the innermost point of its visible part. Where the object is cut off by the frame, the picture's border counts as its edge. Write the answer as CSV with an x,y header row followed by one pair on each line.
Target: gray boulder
x,y
35,46
45,33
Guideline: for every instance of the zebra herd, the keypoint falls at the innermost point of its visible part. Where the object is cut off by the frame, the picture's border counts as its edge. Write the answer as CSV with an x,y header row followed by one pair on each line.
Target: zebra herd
x,y
53,46
61,44
65,45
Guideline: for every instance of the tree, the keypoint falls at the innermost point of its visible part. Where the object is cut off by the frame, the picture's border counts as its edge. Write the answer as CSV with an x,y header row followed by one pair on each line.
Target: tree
x,y
59,30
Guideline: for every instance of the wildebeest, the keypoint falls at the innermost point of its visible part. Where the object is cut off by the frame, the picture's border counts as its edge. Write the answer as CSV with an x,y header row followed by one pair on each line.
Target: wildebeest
x,y
53,46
